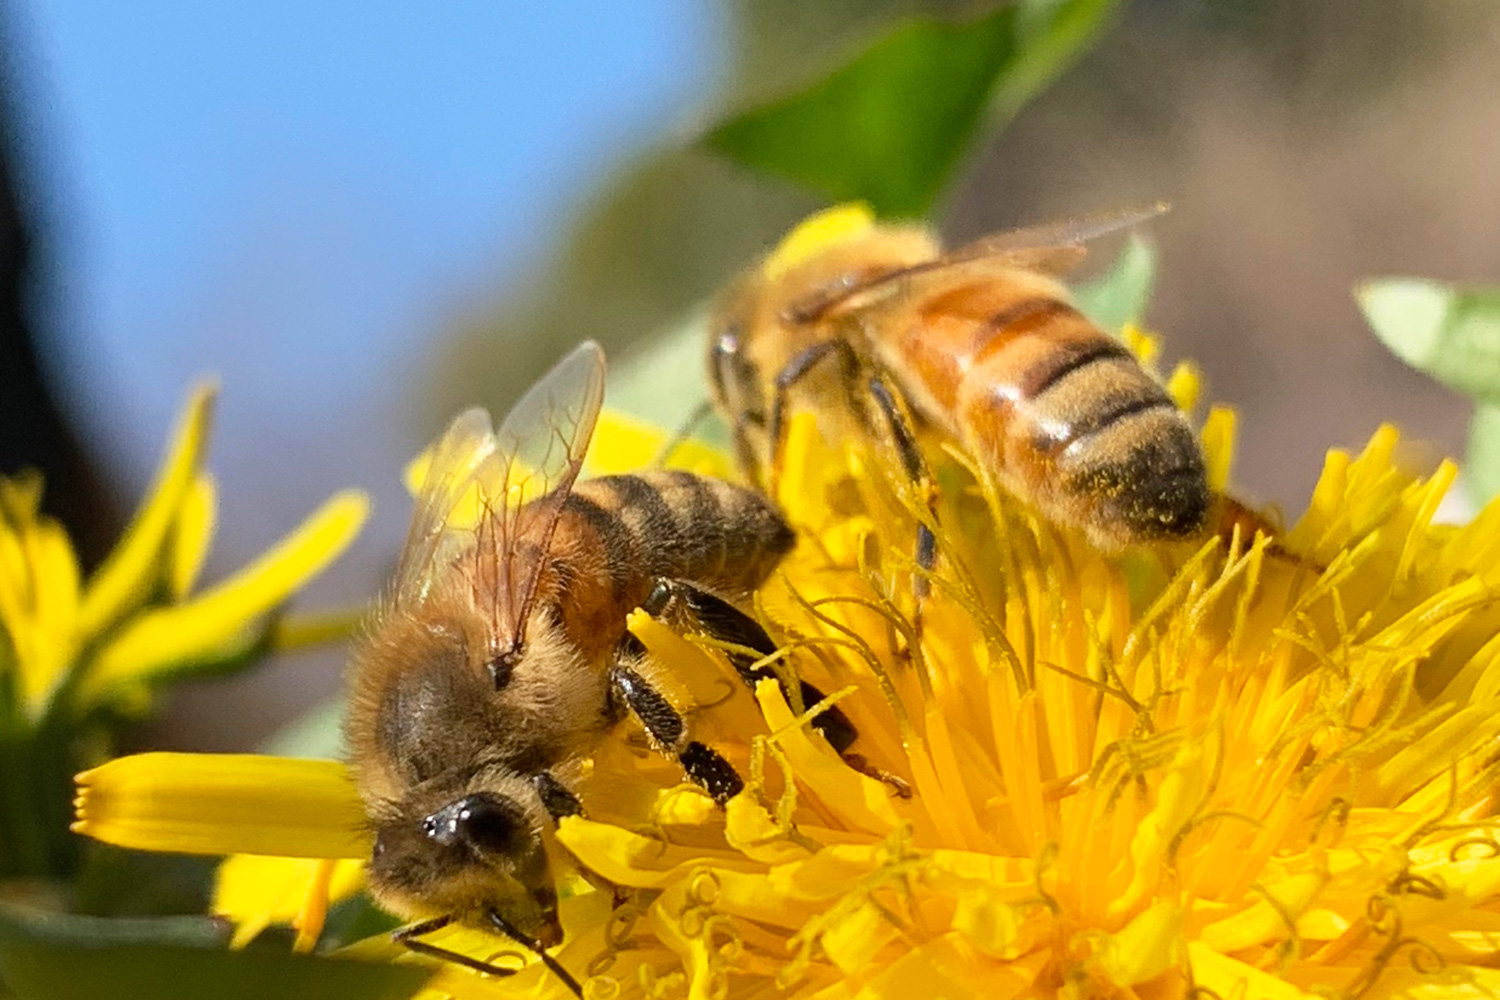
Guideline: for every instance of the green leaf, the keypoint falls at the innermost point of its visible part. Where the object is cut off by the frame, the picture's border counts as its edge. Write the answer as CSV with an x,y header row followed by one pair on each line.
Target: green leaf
x,y
675,357
890,126
46,956
1451,333
1121,294
316,734
1482,464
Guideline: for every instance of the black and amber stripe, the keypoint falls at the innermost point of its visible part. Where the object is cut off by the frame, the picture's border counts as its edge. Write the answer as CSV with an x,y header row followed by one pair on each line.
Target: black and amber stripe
x,y
678,525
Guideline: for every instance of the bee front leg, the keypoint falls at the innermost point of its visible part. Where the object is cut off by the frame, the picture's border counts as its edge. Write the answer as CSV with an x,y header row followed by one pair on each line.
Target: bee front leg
x,y
723,621
557,798
801,365
863,381
409,937
666,726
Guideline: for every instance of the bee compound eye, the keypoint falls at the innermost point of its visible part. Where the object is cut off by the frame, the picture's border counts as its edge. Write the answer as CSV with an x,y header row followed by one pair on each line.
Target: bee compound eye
x,y
489,823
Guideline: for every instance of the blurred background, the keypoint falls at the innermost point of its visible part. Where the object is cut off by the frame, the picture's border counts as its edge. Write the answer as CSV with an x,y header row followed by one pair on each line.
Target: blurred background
x,y
363,217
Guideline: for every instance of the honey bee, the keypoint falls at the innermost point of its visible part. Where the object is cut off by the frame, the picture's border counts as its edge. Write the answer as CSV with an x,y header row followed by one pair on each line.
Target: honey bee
x,y
501,653
981,343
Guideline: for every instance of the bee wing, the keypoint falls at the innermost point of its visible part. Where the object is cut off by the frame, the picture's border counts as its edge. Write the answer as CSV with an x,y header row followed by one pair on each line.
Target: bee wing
x,y
1054,248
540,449
1065,239
504,486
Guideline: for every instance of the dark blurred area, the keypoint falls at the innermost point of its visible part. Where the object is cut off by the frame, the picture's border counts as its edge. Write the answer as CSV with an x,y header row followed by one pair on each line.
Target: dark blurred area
x,y
33,432
1304,145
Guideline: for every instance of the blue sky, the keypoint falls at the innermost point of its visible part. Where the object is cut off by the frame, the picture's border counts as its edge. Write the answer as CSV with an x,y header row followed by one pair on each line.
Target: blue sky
x,y
299,196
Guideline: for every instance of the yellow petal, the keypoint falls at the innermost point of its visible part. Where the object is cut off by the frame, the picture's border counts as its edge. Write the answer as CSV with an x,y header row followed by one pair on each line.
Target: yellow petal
x,y
1229,977
38,600
315,628
220,623
817,233
191,534
860,801
132,569
1218,446
1146,947
223,804
1185,385
256,891
623,443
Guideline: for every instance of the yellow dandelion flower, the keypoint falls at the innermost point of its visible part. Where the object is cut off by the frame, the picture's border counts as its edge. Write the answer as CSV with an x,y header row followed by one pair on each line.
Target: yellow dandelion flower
x,y
72,650
1248,768
134,622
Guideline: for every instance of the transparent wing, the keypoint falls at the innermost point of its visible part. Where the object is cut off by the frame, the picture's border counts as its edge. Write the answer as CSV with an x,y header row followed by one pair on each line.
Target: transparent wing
x,y
1054,248
453,468
540,450
1055,235
497,494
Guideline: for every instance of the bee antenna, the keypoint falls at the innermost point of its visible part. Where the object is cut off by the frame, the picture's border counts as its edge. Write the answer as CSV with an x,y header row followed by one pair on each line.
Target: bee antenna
x,y
505,927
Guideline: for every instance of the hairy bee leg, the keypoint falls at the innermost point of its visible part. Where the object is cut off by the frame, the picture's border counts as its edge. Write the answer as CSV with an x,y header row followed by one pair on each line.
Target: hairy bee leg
x,y
557,798
553,965
916,472
666,726
407,938
727,623
892,406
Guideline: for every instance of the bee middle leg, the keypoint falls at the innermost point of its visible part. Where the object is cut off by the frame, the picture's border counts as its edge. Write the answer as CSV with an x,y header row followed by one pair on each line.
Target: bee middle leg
x,y
862,382
666,726
727,623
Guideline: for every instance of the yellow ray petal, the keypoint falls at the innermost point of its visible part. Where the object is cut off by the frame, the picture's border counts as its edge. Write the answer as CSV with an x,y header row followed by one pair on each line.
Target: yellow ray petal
x,y
220,623
256,891
223,804
191,535
131,570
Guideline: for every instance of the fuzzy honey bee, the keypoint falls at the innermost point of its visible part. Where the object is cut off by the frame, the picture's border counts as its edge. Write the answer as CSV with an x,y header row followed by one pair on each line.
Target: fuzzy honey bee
x,y
501,653
981,343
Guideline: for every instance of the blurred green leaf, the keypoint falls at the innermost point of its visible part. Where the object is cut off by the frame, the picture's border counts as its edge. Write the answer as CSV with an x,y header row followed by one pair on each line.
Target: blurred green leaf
x,y
1451,333
1482,465
316,734
1121,294
676,357
47,956
891,125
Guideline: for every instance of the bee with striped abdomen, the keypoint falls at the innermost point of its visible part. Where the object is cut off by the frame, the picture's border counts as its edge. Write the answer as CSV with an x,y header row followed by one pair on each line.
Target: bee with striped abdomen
x,y
501,653
982,343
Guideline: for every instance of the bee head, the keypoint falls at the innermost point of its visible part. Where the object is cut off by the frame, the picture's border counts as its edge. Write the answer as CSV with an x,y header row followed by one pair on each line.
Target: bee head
x,y
464,847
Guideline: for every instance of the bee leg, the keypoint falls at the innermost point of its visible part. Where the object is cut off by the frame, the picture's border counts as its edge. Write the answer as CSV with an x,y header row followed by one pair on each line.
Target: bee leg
x,y
408,936
915,468
556,798
666,726
795,371
898,418
498,921
727,623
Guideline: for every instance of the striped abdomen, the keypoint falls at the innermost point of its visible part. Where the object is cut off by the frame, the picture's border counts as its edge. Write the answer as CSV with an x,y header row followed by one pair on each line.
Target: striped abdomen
x,y
617,534
1062,414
